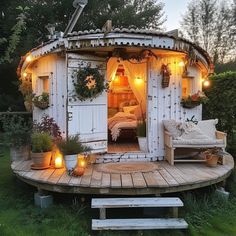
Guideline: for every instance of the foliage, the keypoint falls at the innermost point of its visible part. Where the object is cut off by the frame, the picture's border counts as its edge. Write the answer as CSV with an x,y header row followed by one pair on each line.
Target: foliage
x,y
41,101
14,38
194,100
41,142
142,129
16,130
222,102
72,145
209,24
89,83
48,125
25,87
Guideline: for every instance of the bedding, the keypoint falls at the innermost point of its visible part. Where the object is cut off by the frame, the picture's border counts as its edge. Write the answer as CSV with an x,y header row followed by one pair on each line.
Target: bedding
x,y
119,121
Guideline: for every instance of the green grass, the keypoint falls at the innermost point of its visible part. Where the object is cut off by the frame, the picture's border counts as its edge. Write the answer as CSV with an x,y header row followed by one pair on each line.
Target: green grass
x,y
205,213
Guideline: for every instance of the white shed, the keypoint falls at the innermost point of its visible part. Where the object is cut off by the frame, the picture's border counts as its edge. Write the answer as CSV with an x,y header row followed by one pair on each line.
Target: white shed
x,y
137,65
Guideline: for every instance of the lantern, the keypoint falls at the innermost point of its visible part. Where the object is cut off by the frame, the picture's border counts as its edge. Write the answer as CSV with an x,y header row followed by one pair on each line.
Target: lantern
x,y
58,162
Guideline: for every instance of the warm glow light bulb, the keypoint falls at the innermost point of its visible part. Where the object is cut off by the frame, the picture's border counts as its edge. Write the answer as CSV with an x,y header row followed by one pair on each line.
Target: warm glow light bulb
x,y
181,64
25,74
29,58
138,80
206,83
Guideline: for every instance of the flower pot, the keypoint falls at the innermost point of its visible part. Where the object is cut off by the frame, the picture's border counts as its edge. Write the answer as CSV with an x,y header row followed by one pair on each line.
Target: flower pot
x,y
41,105
212,160
142,141
191,104
20,153
71,161
41,159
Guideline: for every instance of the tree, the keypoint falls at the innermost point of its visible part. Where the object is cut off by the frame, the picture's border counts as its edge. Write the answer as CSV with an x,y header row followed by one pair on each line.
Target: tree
x,y
208,23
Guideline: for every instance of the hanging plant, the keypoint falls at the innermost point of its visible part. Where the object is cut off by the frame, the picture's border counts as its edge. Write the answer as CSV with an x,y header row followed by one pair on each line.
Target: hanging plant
x,y
41,101
90,83
166,73
194,100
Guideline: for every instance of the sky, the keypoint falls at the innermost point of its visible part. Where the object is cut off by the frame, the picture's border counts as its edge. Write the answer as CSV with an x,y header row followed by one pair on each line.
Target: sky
x,y
173,10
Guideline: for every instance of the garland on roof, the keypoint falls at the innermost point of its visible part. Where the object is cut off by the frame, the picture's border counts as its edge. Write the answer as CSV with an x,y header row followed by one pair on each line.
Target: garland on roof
x,y
90,83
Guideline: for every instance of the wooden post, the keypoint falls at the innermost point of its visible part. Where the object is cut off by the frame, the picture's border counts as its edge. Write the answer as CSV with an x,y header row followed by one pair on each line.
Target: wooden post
x,y
102,212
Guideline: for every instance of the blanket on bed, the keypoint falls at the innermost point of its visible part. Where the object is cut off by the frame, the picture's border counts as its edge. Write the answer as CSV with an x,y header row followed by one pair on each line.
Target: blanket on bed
x,y
120,121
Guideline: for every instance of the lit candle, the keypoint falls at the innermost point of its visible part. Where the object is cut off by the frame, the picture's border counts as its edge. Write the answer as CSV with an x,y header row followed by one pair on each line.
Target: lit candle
x,y
58,162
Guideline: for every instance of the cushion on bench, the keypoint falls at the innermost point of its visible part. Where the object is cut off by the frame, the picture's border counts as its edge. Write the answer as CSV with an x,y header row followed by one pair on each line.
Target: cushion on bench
x,y
198,141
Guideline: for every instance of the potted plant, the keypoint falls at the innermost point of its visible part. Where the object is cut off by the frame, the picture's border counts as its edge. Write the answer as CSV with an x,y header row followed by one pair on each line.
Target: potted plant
x,y
41,101
141,134
16,135
41,150
212,156
194,100
70,148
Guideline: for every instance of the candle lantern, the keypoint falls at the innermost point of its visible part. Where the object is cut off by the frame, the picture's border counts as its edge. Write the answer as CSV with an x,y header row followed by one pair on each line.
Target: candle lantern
x,y
58,162
82,161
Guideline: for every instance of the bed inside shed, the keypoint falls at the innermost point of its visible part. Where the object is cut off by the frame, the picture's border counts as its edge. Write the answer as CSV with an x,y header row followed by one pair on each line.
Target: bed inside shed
x,y
127,103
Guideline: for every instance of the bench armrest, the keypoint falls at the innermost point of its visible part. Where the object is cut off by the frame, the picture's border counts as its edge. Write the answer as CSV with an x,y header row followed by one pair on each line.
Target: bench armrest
x,y
168,139
220,135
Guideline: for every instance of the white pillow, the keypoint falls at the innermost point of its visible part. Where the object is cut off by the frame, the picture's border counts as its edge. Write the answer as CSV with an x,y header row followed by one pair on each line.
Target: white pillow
x,y
208,127
129,109
172,127
192,131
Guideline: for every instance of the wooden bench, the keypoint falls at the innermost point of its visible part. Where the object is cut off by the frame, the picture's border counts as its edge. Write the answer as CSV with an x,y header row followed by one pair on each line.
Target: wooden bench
x,y
170,147
132,224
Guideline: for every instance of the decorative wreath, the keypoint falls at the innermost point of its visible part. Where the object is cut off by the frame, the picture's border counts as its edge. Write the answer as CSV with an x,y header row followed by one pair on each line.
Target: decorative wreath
x,y
89,83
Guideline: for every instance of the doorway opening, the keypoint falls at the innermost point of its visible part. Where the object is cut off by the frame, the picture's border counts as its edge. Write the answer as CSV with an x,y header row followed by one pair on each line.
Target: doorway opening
x,y
126,105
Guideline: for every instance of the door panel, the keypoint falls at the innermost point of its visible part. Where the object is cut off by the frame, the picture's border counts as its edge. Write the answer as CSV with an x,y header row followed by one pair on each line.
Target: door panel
x,y
87,118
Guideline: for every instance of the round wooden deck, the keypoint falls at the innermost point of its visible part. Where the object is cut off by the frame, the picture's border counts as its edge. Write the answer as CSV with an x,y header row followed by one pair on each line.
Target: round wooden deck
x,y
162,179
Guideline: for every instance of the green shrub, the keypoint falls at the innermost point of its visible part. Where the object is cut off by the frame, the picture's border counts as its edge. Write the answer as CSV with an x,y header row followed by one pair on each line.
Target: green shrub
x,y
16,130
141,129
222,102
72,145
41,142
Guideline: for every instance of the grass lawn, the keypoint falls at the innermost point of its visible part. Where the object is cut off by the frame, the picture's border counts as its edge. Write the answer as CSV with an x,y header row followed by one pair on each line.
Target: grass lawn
x,y
205,213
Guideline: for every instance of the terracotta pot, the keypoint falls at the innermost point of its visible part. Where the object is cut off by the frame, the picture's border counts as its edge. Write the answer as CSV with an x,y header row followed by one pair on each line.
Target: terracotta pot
x,y
212,160
42,159
78,171
19,154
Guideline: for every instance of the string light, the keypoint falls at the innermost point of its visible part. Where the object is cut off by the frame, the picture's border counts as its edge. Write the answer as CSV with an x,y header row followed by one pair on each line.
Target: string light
x,y
28,58
206,83
181,64
25,74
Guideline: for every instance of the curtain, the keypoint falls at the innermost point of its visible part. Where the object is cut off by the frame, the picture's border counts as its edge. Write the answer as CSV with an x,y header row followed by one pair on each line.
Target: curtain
x,y
137,77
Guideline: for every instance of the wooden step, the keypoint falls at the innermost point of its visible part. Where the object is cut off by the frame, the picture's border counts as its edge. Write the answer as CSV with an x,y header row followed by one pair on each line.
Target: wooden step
x,y
136,202
139,224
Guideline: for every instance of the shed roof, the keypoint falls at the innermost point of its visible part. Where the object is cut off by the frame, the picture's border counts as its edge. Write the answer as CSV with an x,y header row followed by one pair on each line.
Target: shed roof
x,y
92,39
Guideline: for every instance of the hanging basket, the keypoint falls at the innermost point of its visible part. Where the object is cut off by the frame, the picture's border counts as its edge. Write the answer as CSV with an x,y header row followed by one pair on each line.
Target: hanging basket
x,y
41,105
190,104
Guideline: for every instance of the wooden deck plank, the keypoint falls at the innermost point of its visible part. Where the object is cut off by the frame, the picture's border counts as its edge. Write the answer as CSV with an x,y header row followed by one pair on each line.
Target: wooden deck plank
x,y
15,164
126,181
136,202
96,179
154,179
180,177
56,176
138,180
106,180
75,181
86,178
161,181
134,224
46,174
64,179
168,178
115,181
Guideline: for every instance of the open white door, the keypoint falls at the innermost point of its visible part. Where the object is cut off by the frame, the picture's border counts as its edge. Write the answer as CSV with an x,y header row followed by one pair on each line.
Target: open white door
x,y
87,118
